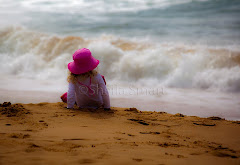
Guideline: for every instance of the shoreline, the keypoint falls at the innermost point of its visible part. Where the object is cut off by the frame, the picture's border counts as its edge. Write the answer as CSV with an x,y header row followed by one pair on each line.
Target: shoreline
x,y
44,132
196,106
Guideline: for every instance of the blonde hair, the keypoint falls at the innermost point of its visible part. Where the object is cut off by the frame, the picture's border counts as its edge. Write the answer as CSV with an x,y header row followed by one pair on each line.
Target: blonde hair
x,y
74,77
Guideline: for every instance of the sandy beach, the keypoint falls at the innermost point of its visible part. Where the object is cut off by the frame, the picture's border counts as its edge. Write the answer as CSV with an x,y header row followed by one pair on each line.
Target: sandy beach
x,y
172,71
48,133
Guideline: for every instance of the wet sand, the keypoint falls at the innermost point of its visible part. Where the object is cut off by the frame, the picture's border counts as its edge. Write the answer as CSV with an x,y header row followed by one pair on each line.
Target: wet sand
x,y
48,133
187,102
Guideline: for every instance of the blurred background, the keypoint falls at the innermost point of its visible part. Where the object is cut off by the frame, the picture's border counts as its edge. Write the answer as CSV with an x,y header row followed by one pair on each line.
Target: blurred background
x,y
163,55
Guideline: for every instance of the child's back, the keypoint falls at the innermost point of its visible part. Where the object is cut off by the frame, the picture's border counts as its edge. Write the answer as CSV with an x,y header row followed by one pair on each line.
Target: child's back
x,y
88,92
87,88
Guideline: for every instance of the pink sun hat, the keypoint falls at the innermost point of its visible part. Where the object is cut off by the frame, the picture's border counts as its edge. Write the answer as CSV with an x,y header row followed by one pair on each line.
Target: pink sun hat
x,y
83,62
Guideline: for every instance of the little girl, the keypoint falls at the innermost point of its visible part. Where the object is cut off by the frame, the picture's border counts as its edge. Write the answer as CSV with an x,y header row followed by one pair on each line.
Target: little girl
x,y
86,86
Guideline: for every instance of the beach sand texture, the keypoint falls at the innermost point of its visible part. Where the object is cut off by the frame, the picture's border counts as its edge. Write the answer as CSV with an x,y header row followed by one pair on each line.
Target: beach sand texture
x,y
48,133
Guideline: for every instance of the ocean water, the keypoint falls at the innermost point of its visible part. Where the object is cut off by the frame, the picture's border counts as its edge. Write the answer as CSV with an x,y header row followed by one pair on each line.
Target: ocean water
x,y
163,55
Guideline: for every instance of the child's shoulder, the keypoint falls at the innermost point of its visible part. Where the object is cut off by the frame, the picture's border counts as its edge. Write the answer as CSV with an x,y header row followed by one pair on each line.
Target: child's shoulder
x,y
98,75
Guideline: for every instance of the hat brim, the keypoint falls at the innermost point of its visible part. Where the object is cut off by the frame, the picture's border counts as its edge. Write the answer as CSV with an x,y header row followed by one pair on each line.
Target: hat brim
x,y
79,69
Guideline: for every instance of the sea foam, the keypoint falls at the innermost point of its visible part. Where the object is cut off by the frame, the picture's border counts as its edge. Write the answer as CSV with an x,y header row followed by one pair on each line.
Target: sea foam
x,y
40,56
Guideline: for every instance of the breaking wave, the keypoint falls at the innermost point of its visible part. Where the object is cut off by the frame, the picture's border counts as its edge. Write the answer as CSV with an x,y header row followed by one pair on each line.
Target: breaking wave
x,y
35,55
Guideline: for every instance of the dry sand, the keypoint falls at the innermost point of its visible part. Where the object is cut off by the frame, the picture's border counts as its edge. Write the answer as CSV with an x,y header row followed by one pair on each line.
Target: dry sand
x,y
48,133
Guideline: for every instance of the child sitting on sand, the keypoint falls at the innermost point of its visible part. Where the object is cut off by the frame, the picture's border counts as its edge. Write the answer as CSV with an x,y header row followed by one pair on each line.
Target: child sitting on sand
x,y
86,86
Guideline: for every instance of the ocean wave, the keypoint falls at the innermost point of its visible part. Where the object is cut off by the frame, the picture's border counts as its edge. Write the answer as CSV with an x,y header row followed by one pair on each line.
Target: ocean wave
x,y
98,6
188,21
37,55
